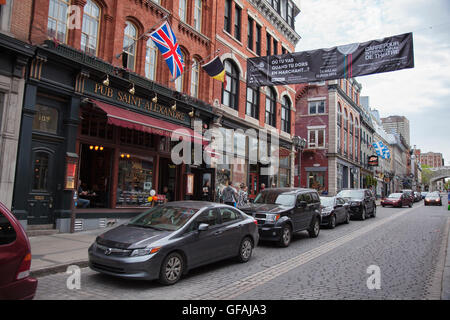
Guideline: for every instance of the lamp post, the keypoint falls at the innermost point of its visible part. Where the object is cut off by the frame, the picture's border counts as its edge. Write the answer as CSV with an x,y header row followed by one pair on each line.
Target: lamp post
x,y
300,144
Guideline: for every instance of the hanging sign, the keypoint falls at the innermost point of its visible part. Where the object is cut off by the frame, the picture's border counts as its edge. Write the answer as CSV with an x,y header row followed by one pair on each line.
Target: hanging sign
x,y
348,61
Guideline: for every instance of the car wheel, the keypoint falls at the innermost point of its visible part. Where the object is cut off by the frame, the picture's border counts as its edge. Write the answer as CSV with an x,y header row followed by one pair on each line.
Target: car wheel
x,y
171,269
383,205
363,213
332,223
286,236
347,218
245,250
374,212
315,229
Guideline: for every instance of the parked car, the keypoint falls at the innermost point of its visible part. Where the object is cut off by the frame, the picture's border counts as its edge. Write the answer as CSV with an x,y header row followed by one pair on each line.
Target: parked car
x,y
334,210
417,196
361,202
409,193
15,259
433,199
398,200
167,241
280,212
424,194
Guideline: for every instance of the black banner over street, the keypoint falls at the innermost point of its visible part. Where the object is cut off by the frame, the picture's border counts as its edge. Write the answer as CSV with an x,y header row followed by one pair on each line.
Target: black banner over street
x,y
348,61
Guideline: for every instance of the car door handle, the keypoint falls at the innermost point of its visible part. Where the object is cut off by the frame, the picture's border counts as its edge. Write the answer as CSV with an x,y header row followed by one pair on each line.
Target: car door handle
x,y
218,232
238,226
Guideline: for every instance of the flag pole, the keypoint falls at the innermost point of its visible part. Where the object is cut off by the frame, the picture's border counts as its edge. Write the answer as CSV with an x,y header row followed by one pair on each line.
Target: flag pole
x,y
194,65
166,16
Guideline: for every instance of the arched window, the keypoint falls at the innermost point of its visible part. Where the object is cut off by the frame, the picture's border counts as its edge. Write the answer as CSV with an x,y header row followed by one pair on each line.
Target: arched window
x,y
91,28
345,119
271,103
350,145
230,92
286,115
198,15
195,78
151,54
129,45
57,19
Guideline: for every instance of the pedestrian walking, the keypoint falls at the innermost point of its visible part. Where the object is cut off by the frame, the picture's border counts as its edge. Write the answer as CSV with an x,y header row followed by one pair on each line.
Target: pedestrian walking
x,y
242,196
229,195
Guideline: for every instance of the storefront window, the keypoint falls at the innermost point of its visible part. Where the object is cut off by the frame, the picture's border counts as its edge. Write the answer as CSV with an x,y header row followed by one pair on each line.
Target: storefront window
x,y
316,180
135,180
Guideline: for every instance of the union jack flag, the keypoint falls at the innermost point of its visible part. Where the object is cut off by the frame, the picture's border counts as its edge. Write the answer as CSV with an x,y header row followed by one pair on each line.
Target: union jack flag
x,y
165,40
382,150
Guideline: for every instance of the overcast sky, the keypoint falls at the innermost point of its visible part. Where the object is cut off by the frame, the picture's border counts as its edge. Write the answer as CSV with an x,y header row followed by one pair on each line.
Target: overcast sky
x,y
421,94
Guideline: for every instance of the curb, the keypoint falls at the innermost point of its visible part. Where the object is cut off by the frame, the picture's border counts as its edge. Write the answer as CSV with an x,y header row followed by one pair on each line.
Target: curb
x,y
445,293
57,268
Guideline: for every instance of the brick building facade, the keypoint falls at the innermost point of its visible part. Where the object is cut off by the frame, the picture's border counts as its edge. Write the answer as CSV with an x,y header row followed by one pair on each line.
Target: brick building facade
x,y
328,116
86,71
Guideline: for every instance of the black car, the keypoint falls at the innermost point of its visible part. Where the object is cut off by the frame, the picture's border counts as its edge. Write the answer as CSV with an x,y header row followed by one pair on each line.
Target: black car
x,y
410,194
168,240
334,210
280,212
361,202
417,196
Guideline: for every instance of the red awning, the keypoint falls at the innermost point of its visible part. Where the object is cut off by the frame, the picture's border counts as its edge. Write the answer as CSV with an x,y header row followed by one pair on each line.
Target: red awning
x,y
132,120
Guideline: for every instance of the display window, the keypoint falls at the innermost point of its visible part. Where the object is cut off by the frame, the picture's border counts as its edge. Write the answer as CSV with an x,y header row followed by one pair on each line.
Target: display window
x,y
135,180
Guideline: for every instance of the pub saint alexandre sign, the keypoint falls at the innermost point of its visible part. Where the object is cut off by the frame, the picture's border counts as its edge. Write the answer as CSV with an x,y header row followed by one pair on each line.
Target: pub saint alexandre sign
x,y
128,100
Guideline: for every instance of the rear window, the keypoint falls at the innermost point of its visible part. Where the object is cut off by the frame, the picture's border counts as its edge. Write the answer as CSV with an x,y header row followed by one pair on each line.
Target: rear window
x,y
7,232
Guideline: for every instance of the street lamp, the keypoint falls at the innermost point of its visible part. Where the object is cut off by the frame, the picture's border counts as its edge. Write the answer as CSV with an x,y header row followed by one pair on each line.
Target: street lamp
x,y
300,144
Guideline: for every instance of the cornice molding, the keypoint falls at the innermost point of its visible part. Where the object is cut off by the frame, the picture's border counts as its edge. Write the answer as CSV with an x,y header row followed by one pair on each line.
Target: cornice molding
x,y
281,25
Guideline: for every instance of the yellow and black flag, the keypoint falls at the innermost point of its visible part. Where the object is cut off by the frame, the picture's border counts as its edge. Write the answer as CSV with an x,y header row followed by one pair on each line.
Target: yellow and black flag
x,y
215,69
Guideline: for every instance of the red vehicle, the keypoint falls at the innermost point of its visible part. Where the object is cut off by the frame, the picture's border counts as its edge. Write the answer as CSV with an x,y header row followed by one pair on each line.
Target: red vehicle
x,y
15,259
397,200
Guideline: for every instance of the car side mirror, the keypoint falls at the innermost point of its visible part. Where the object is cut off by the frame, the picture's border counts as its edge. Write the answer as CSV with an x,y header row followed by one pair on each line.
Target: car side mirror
x,y
203,227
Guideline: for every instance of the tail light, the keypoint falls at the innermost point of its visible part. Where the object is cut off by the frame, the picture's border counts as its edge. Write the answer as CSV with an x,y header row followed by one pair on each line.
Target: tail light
x,y
25,266
255,221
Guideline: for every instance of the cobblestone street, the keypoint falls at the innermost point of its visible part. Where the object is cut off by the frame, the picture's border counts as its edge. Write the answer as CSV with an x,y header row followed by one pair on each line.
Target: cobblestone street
x,y
407,244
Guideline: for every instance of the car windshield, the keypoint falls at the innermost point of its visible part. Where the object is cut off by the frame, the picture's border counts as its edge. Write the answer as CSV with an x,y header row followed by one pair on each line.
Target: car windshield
x,y
395,196
432,195
357,194
282,199
327,201
166,218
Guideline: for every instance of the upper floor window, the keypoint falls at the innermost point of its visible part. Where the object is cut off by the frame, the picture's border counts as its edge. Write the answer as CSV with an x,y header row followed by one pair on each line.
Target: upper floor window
x,y
129,45
345,120
237,22
316,138
352,124
283,9
57,19
275,47
271,103
316,107
290,14
258,40
276,5
252,108
230,92
339,116
250,33
195,74
268,44
91,28
227,16
182,10
198,15
151,54
286,115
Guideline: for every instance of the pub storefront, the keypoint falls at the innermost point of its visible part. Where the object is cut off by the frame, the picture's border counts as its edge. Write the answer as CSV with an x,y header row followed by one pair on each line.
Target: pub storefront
x,y
79,130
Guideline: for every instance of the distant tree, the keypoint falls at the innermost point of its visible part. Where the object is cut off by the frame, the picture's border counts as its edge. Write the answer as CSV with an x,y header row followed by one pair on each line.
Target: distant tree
x,y
426,174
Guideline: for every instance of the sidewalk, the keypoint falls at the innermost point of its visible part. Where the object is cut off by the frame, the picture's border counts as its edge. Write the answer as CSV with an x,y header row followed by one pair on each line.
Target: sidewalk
x,y
54,253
